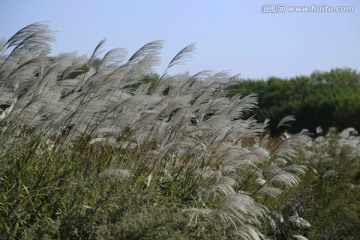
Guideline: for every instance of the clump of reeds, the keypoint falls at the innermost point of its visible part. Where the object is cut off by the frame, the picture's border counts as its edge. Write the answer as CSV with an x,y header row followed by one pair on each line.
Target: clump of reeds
x,y
85,153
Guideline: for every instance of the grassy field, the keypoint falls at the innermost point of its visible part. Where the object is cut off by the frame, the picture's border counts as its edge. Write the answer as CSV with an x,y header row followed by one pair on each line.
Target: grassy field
x,y
87,152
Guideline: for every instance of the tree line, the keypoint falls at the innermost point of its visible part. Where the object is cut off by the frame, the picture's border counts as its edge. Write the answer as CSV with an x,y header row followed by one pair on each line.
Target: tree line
x,y
325,98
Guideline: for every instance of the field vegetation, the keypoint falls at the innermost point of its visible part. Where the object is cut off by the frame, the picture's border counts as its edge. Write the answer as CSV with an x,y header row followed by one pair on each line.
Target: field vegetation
x,y
99,148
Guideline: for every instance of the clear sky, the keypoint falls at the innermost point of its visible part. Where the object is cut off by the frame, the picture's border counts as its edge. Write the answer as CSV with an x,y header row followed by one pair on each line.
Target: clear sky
x,y
239,36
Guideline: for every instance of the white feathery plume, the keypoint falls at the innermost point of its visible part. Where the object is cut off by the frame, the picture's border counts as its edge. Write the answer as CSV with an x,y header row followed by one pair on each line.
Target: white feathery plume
x,y
286,120
113,58
299,222
224,184
249,232
239,209
299,237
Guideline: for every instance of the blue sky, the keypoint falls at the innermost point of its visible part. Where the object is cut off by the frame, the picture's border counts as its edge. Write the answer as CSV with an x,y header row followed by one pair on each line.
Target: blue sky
x,y
231,35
